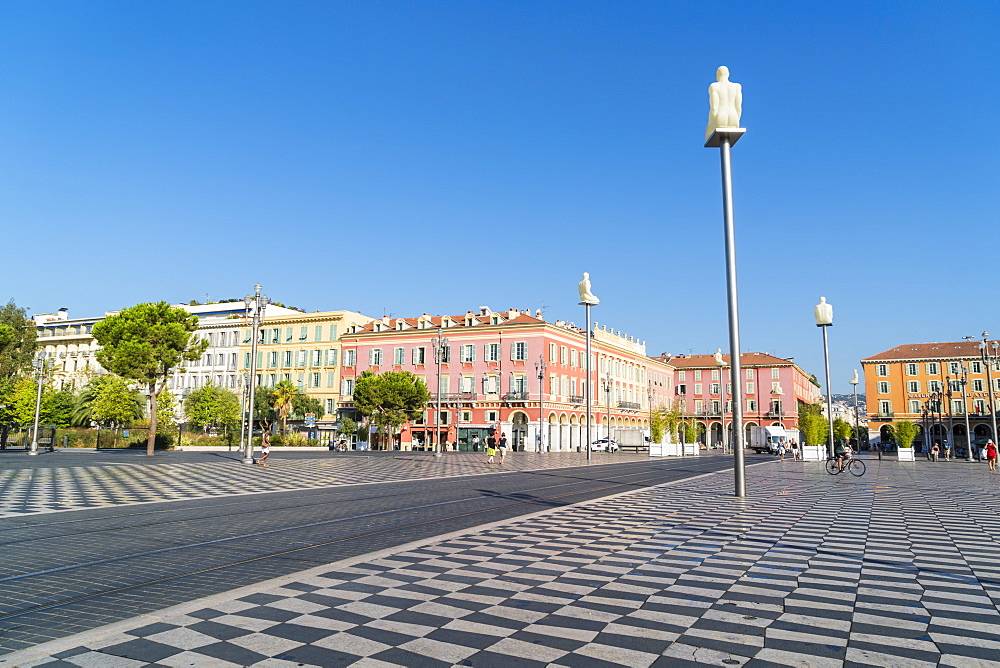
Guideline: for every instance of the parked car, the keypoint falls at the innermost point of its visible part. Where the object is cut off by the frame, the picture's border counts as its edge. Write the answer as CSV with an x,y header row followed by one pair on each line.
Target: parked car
x,y
604,445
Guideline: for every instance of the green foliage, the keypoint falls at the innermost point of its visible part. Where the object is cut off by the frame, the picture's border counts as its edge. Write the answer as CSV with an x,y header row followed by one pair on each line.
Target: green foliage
x,y
115,403
57,407
904,433
281,400
264,414
20,400
17,341
145,343
842,429
391,398
812,424
346,427
302,403
166,410
211,405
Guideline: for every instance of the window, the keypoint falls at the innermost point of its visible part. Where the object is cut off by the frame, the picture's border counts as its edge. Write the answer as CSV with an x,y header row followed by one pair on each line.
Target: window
x,y
976,367
775,374
331,357
681,376
955,386
445,354
715,374
519,351
957,407
491,385
552,352
697,374
750,388
375,357
399,356
419,355
466,384
333,332
751,406
286,358
329,381
914,406
932,386
883,370
303,333
350,357
492,416
318,333
574,358
275,335
953,368
520,384
977,385
468,353
465,416
698,404
775,387
883,387
885,407
347,386
932,369
246,360
913,386
288,333
272,358
697,388
492,351
749,374
713,388
329,406
300,358
911,369
563,355
316,358
443,384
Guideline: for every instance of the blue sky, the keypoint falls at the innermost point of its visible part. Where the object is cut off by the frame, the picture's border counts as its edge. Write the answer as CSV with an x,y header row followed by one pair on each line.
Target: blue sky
x,y
403,157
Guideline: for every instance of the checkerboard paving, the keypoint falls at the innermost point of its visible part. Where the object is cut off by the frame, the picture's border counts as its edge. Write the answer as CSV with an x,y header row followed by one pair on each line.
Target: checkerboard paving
x,y
74,487
894,569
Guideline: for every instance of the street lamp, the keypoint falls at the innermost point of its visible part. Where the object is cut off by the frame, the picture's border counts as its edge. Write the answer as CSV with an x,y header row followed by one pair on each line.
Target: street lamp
x,y
964,380
244,391
255,305
607,384
649,405
823,313
722,396
588,299
39,365
857,418
990,359
439,344
540,367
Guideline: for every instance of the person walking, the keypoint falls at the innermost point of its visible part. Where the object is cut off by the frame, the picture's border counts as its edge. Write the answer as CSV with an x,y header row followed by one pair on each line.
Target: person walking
x,y
781,450
991,455
475,443
934,452
795,451
491,449
946,450
503,446
265,449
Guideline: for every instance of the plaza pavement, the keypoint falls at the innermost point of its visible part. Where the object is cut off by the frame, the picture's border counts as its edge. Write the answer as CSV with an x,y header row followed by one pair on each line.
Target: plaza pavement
x,y
897,568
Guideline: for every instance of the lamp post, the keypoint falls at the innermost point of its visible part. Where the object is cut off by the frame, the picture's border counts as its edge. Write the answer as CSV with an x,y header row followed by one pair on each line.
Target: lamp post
x,y
608,383
722,396
649,405
255,305
857,417
439,344
823,313
990,359
244,391
39,365
963,380
540,367
588,299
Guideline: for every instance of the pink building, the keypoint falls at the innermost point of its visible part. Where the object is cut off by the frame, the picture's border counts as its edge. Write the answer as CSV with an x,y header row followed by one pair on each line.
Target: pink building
x,y
511,372
774,388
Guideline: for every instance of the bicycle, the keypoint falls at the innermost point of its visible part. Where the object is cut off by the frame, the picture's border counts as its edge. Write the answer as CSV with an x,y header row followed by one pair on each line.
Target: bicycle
x,y
854,465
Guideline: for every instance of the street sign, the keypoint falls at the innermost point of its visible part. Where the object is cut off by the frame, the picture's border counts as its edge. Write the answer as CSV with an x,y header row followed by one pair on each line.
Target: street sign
x,y
310,419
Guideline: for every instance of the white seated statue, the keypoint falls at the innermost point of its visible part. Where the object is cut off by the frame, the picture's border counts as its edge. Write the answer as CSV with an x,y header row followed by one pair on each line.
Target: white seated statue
x,y
586,296
823,313
725,100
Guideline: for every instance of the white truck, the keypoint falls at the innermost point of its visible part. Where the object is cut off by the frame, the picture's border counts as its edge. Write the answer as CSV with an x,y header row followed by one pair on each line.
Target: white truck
x,y
766,439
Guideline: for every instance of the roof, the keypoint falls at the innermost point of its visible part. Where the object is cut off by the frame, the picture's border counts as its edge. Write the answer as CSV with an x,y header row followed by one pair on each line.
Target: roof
x,y
929,351
456,321
708,361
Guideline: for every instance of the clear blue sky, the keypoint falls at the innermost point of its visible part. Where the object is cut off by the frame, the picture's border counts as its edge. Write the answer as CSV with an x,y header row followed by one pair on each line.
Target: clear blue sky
x,y
403,157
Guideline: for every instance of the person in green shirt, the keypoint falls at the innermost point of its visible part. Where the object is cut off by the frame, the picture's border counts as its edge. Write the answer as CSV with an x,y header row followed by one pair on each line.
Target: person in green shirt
x,y
842,452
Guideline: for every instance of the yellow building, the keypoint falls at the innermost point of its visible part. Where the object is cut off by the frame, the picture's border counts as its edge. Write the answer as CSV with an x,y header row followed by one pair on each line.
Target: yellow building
x,y
303,348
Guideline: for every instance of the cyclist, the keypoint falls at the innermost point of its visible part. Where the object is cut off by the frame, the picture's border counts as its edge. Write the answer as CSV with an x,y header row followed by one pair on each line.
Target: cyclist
x,y
842,453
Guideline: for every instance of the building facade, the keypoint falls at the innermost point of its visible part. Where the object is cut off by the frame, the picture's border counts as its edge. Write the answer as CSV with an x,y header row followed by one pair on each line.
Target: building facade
x,y
510,372
773,390
923,383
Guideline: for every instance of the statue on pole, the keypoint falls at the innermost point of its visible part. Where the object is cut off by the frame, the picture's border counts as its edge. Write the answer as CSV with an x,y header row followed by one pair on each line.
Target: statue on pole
x,y
725,100
586,296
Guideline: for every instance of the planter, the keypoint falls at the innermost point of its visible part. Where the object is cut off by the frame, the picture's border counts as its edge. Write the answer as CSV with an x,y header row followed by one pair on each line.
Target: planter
x,y
813,453
905,454
691,450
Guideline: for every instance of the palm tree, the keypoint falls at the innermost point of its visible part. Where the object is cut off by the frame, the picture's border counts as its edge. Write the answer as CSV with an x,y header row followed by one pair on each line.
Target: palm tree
x,y
281,400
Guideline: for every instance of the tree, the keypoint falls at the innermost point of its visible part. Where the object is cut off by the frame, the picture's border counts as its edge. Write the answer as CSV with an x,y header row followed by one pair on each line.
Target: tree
x,y
57,406
842,429
281,400
263,411
211,405
17,341
114,403
812,424
346,428
904,432
166,410
145,343
391,398
302,404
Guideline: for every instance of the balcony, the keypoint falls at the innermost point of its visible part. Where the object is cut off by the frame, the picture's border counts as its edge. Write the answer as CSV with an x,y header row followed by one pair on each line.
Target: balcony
x,y
515,396
885,416
576,399
629,405
775,415
461,396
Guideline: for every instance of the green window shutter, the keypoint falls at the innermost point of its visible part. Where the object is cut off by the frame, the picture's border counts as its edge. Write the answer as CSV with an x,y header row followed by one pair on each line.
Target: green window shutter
x,y
333,332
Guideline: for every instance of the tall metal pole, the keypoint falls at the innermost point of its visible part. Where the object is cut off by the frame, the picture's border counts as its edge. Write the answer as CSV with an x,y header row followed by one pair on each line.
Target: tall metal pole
x,y
965,409
722,395
39,364
739,472
244,390
589,383
608,384
857,423
829,391
989,360
438,343
540,367
258,302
